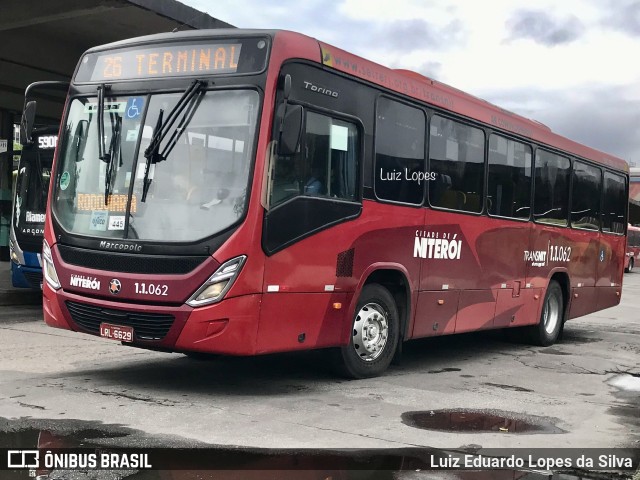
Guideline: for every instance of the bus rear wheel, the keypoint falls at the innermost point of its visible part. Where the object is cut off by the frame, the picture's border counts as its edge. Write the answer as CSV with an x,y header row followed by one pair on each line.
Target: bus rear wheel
x,y
374,334
630,266
546,332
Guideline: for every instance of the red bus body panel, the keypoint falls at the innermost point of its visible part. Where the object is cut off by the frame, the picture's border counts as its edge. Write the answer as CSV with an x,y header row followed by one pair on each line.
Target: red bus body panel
x,y
305,295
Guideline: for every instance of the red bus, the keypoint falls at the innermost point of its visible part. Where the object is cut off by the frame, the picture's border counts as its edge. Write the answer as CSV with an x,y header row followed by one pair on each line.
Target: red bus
x,y
633,248
244,192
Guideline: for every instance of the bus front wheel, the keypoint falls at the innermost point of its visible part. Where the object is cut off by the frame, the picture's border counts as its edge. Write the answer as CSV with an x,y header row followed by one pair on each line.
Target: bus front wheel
x,y
374,334
630,266
546,332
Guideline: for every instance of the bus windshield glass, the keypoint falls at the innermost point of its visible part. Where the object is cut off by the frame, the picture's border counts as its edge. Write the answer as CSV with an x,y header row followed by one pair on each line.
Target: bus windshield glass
x,y
32,186
198,189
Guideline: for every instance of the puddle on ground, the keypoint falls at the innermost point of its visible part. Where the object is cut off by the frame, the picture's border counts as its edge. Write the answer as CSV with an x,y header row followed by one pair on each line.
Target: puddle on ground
x,y
628,402
176,458
239,463
625,382
462,420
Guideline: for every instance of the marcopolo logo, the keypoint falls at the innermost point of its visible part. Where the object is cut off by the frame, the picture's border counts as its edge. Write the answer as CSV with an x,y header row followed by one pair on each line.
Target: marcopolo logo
x,y
81,281
23,459
119,246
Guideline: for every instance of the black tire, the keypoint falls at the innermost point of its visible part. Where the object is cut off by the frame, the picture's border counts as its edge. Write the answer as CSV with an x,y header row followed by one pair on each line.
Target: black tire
x,y
630,267
548,329
374,334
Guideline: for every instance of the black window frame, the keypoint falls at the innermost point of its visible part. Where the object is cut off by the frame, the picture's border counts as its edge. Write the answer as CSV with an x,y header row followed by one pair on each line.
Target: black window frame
x,y
532,150
484,164
533,189
360,152
625,223
600,196
374,155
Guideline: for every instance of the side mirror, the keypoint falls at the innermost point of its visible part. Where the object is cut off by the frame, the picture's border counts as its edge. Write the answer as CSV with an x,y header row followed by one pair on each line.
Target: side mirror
x,y
291,130
26,122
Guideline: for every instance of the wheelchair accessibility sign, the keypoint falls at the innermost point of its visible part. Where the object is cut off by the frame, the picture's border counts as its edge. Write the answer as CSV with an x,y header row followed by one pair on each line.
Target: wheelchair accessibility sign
x,y
134,107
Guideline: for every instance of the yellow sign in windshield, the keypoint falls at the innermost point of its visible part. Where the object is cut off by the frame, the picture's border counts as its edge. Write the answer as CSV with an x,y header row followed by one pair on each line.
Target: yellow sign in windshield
x,y
117,203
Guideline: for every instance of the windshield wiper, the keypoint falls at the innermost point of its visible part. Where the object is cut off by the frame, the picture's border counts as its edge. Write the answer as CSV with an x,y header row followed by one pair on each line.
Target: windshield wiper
x,y
152,153
100,122
105,155
113,156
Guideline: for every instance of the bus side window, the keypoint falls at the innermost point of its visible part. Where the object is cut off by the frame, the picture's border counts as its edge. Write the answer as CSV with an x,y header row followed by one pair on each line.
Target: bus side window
x,y
509,178
325,166
585,200
399,152
615,203
456,153
551,191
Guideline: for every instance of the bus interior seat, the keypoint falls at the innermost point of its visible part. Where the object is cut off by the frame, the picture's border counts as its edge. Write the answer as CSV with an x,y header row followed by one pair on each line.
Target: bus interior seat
x,y
472,202
453,199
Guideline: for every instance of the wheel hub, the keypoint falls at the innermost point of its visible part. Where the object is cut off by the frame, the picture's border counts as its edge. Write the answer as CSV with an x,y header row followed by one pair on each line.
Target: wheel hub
x,y
370,332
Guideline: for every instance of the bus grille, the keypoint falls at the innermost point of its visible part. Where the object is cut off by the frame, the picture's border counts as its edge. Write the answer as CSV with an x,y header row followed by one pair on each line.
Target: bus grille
x,y
146,326
129,263
34,279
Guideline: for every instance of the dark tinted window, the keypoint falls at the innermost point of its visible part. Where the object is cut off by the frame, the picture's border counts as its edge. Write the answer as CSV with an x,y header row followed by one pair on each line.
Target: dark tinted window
x,y
615,203
400,160
325,166
551,188
585,199
509,192
456,155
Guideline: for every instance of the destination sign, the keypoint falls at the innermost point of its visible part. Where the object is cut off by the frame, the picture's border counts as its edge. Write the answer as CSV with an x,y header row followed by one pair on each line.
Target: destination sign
x,y
169,60
90,202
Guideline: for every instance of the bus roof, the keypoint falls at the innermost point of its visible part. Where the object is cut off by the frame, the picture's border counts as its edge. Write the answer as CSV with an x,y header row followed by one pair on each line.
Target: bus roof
x,y
405,82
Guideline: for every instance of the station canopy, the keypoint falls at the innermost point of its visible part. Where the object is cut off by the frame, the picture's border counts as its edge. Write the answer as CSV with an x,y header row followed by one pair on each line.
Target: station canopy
x,y
43,40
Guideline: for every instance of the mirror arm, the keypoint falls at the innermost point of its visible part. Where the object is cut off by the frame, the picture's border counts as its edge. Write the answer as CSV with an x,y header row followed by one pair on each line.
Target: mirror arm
x,y
287,92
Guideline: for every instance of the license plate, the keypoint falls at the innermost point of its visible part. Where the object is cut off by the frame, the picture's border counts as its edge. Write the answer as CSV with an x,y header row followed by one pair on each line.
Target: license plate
x,y
116,332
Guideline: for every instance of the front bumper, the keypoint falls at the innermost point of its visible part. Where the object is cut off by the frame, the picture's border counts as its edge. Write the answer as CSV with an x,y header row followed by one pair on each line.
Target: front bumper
x,y
228,327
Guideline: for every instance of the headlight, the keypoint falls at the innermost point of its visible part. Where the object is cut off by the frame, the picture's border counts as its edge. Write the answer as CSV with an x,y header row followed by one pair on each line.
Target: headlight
x,y
48,269
12,252
215,288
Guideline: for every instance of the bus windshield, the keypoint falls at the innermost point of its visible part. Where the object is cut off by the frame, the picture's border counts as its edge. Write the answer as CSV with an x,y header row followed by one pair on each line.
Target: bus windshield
x,y
198,189
32,186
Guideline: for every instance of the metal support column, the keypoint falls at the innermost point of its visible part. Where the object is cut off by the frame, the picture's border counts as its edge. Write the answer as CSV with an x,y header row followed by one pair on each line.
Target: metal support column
x,y
6,169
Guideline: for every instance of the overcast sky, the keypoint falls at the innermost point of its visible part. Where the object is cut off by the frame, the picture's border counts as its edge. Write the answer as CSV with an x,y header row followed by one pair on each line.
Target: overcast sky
x,y
571,64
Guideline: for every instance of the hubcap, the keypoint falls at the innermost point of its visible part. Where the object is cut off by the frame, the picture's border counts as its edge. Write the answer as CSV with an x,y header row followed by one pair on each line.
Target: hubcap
x,y
551,313
370,332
